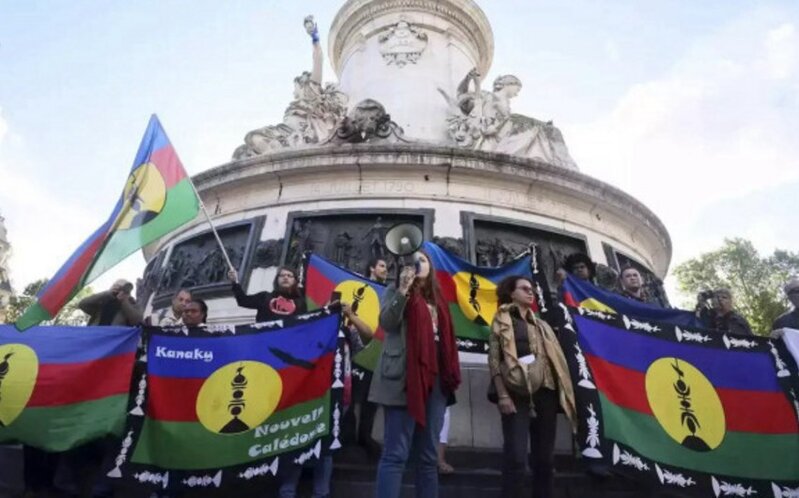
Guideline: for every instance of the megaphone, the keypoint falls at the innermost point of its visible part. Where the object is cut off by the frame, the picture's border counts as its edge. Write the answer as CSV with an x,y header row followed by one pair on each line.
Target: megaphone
x,y
404,239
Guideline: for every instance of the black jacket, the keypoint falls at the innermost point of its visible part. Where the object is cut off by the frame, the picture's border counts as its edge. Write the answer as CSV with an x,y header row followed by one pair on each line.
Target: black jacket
x,y
270,306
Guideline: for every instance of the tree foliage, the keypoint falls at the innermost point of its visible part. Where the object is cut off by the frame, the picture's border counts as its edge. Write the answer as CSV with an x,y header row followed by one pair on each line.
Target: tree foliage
x,y
755,282
69,314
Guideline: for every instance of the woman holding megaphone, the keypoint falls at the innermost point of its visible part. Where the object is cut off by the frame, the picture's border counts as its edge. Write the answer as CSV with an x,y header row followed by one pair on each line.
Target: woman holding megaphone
x,y
416,374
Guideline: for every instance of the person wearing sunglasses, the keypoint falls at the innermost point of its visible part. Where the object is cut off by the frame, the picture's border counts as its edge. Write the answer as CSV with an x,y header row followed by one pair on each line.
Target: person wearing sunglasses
x,y
530,380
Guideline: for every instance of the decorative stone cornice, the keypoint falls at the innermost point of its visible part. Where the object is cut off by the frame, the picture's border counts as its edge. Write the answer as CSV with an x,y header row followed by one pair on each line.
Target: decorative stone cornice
x,y
583,189
463,14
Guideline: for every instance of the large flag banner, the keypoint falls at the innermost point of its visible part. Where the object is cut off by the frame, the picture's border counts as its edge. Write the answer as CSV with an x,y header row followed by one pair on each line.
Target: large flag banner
x,y
322,278
471,292
220,405
695,412
158,197
61,387
578,292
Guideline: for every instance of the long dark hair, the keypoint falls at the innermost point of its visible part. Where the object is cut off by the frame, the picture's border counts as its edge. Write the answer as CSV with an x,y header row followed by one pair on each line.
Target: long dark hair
x,y
291,292
427,288
507,286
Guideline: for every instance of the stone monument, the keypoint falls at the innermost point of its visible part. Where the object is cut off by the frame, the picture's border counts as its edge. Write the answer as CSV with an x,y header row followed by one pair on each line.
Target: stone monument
x,y
407,133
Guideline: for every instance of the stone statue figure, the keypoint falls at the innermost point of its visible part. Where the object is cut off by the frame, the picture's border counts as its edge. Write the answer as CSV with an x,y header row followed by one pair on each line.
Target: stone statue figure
x,y
309,119
483,120
367,122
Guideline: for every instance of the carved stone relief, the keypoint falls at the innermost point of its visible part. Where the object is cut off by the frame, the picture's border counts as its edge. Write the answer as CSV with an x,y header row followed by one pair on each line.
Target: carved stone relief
x,y
402,44
198,263
148,284
267,253
451,244
350,240
368,122
498,242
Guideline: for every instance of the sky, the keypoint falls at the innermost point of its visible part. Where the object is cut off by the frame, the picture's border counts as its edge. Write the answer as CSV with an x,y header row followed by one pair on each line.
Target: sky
x,y
691,107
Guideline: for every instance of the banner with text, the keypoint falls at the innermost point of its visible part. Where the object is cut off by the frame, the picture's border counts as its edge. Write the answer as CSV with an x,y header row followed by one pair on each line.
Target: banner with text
x,y
221,405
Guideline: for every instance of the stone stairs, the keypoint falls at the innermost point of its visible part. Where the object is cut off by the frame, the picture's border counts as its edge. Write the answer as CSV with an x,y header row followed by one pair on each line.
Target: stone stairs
x,y
477,475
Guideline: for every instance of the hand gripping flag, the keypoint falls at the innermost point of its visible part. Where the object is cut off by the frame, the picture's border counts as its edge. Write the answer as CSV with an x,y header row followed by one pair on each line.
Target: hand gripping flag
x,y
158,197
692,411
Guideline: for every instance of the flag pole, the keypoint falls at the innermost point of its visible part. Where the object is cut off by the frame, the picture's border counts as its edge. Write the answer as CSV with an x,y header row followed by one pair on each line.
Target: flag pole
x,y
213,228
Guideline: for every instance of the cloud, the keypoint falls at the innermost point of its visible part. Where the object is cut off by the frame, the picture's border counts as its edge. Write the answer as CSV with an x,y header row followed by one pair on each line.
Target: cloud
x,y
718,126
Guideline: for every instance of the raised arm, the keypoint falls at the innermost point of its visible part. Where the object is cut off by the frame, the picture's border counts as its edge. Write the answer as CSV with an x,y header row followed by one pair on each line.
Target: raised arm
x,y
318,59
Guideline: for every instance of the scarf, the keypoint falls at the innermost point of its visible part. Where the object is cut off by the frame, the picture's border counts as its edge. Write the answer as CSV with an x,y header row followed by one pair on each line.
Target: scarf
x,y
423,362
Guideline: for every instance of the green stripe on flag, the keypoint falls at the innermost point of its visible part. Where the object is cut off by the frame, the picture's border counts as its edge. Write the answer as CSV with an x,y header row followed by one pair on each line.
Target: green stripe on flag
x,y
33,315
368,356
190,446
59,428
181,206
465,328
741,454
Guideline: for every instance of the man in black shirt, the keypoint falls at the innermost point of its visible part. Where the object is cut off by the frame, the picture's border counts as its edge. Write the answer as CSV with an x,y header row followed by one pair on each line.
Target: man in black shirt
x,y
284,300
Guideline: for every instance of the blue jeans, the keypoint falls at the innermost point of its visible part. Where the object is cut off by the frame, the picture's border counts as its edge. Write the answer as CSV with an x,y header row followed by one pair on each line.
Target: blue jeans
x,y
322,472
404,440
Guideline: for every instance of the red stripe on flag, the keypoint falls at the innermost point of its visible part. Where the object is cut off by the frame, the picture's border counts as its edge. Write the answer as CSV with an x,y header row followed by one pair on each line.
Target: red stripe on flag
x,y
318,287
168,163
57,295
447,286
68,383
569,300
301,385
174,399
745,411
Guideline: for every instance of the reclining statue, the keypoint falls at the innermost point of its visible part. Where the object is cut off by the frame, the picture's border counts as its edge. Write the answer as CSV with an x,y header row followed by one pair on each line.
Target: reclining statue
x,y
483,120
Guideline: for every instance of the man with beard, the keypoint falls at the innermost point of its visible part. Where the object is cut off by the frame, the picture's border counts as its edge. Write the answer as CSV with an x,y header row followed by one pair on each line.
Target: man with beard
x,y
284,300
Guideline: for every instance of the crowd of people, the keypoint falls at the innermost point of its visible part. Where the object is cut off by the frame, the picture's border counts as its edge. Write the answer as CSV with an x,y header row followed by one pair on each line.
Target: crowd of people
x,y
416,378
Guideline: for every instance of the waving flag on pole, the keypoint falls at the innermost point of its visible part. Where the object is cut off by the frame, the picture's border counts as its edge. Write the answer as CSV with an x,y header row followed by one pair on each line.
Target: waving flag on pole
x,y
158,197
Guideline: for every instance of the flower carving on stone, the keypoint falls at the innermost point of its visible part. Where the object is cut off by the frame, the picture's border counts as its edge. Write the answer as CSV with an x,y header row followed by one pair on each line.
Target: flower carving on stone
x,y
402,44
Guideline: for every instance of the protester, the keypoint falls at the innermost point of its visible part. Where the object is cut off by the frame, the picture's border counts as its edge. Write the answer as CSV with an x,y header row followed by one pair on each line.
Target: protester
x,y
416,373
112,307
284,300
790,319
195,313
632,285
531,378
365,410
174,315
80,469
719,313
